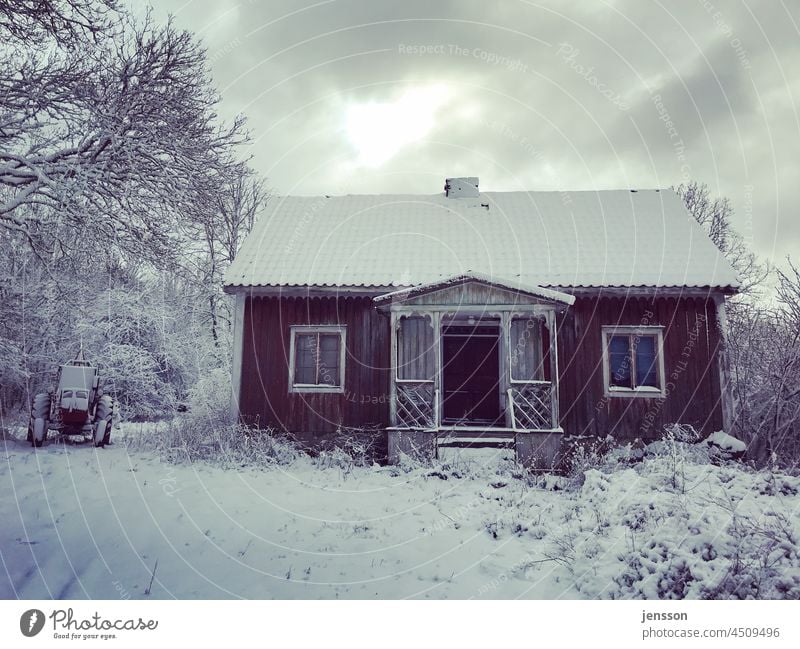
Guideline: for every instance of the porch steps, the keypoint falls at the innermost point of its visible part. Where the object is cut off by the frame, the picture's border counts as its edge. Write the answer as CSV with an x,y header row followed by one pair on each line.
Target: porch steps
x,y
473,439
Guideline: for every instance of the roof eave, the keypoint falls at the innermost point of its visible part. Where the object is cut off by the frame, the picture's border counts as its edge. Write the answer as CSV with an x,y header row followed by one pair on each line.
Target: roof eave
x,y
313,290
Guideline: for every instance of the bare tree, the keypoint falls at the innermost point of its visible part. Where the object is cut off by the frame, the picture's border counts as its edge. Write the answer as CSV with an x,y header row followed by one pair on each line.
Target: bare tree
x,y
114,170
786,372
765,358
238,205
114,138
788,292
714,214
67,21
763,337
215,232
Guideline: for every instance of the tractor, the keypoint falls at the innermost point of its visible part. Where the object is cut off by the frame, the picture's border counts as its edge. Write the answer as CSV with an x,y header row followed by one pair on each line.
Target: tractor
x,y
77,407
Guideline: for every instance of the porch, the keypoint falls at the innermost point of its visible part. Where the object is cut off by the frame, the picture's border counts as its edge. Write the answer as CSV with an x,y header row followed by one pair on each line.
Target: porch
x,y
474,364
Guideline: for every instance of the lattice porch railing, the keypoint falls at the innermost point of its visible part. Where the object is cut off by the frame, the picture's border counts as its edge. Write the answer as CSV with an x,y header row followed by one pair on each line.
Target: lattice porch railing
x,y
415,404
532,405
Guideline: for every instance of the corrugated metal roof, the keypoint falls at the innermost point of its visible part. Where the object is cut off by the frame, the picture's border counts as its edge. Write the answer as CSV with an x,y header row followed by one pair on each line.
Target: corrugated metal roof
x,y
567,239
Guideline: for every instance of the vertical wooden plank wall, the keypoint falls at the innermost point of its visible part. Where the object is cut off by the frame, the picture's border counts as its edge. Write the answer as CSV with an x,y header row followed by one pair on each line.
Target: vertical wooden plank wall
x,y
265,397
691,347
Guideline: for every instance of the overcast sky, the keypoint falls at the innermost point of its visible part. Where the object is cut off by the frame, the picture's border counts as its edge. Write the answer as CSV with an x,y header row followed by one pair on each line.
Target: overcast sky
x,y
368,97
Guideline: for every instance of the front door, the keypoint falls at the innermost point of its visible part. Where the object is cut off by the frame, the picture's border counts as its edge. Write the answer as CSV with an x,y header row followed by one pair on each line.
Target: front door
x,y
471,375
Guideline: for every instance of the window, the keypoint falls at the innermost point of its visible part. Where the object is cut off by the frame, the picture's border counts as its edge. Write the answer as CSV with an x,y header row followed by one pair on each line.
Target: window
x,y
415,349
316,358
633,361
525,349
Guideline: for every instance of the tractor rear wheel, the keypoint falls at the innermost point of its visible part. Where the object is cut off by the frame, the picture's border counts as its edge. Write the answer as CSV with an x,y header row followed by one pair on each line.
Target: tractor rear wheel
x,y
38,424
103,421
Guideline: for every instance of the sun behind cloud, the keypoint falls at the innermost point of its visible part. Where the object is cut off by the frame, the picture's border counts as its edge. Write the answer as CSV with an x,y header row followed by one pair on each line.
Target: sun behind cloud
x,y
379,130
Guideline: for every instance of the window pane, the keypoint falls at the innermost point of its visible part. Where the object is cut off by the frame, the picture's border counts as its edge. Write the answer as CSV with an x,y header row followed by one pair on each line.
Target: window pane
x,y
620,361
328,359
317,359
526,349
305,362
646,373
329,342
415,348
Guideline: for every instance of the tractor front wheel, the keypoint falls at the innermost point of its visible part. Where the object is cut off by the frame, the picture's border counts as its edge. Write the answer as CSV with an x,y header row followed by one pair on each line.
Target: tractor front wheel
x,y
38,424
103,421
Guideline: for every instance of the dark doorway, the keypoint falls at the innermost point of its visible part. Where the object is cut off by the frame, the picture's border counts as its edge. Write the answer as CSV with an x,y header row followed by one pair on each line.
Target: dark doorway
x,y
470,375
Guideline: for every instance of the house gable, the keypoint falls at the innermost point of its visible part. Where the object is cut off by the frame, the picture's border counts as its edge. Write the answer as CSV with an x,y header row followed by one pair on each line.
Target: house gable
x,y
475,289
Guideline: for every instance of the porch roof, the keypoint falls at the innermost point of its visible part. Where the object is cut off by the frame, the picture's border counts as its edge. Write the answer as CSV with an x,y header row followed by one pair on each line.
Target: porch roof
x,y
548,295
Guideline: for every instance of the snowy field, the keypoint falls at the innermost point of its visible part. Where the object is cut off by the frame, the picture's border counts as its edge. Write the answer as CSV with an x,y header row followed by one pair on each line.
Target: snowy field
x,y
84,523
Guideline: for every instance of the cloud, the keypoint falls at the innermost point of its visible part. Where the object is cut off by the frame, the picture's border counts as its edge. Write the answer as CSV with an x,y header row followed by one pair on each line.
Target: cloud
x,y
379,130
545,95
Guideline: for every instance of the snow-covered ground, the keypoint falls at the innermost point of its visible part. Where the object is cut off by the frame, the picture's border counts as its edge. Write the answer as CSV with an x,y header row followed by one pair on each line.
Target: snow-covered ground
x,y
84,523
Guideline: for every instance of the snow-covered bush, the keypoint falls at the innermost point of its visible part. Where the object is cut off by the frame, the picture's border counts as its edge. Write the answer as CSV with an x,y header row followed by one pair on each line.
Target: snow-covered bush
x,y
765,358
132,375
210,396
582,454
759,550
723,447
336,458
714,532
349,448
676,448
190,439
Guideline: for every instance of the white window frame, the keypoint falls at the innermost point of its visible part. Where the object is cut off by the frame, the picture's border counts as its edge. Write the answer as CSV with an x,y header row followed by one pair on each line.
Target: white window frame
x,y
296,330
644,391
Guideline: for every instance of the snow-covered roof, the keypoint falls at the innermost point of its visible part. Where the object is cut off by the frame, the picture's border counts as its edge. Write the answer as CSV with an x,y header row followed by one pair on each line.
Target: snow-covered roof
x,y
614,238
534,291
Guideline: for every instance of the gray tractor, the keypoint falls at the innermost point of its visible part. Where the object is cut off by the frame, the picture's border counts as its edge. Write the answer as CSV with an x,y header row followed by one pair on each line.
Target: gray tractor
x,y
77,407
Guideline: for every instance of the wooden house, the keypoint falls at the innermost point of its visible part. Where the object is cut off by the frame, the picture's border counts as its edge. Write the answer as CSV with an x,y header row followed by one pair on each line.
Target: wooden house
x,y
472,318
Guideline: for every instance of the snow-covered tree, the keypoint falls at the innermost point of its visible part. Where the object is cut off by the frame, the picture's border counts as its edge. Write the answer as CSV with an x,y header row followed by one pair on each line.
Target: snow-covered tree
x,y
714,214
122,199
111,135
67,21
213,234
765,344
763,337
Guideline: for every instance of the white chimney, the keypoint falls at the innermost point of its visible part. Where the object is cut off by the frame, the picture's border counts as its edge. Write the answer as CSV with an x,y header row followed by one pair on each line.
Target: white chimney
x,y
461,187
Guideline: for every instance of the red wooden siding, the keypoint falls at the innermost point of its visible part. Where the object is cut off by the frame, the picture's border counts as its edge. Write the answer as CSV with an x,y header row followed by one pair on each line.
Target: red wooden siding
x,y
691,345
265,396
